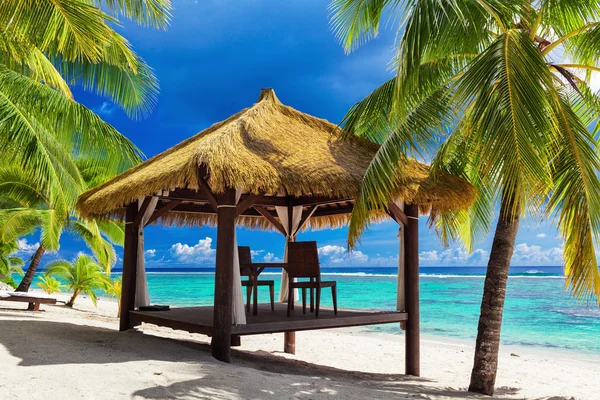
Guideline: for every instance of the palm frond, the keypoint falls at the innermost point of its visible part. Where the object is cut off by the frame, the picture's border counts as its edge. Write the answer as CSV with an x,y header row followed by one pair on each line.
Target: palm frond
x,y
381,177
574,198
155,13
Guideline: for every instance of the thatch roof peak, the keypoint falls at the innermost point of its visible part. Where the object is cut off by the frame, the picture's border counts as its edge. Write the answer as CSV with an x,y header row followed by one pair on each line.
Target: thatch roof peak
x,y
269,148
269,95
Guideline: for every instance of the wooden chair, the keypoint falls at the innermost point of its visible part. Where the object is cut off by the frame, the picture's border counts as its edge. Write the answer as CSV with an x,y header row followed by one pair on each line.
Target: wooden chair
x,y
303,262
245,257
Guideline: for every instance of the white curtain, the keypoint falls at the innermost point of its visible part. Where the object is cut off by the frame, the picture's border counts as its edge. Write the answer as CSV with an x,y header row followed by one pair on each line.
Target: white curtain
x,y
401,297
142,297
237,297
291,231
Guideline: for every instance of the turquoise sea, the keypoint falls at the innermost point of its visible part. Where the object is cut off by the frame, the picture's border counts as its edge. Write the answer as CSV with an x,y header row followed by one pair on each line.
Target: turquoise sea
x,y
539,311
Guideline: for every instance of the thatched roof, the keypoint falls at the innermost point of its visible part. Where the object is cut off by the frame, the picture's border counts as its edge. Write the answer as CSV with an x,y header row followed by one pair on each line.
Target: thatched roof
x,y
273,149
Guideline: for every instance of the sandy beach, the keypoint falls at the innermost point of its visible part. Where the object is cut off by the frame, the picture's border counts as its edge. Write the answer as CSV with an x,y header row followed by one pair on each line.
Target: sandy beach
x,y
63,353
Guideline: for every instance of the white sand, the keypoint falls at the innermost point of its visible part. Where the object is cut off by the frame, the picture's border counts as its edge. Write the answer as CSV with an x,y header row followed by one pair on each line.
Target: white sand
x,y
79,354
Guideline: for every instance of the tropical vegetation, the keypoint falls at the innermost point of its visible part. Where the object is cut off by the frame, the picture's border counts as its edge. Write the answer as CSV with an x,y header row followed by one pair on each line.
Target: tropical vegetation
x,y
36,206
500,92
57,144
49,284
114,290
10,264
82,275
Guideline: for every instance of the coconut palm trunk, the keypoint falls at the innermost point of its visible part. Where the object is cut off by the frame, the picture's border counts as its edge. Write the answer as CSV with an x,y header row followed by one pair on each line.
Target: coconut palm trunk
x,y
73,298
483,375
31,270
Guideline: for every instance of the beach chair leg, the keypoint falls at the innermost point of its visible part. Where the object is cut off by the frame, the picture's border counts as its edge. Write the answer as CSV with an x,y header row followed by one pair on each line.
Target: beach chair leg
x,y
33,307
272,293
236,341
334,298
248,296
303,300
290,301
318,302
312,299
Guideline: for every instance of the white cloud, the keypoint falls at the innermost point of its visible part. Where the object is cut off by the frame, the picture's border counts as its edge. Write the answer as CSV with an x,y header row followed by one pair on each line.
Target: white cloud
x,y
197,253
150,253
338,255
26,248
106,108
332,250
541,235
270,257
525,255
454,256
255,253
429,256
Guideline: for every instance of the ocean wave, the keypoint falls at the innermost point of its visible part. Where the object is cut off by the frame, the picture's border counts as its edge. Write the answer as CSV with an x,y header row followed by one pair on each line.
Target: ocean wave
x,y
426,275
339,274
179,272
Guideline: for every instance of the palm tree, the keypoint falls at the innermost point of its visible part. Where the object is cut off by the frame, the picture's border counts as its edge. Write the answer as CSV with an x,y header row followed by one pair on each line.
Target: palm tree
x,y
49,284
37,206
115,289
501,89
83,274
9,263
45,46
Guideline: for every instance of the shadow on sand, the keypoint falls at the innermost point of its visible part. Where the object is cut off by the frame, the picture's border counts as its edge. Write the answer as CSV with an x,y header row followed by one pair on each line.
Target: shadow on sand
x,y
41,342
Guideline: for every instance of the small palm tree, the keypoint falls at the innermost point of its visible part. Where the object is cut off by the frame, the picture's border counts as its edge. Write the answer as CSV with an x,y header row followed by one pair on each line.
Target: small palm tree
x,y
28,205
49,284
10,264
115,289
83,274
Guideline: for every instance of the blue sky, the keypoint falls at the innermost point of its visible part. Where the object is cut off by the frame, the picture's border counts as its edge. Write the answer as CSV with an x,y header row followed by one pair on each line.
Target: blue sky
x,y
213,61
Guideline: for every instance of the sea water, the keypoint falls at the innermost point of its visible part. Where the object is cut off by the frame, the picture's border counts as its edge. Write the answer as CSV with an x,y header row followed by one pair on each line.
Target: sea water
x,y
539,311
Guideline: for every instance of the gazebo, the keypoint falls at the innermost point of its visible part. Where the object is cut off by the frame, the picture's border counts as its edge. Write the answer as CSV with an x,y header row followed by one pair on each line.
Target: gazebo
x,y
266,167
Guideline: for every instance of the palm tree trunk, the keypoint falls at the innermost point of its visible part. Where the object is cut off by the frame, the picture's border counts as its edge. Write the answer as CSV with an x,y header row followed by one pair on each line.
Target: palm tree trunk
x,y
33,266
72,300
483,376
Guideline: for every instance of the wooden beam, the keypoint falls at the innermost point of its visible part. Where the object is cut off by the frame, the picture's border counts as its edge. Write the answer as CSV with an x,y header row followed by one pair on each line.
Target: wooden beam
x,y
222,318
246,203
142,210
185,194
271,219
130,251
411,254
163,210
316,200
307,214
397,213
200,196
210,197
322,212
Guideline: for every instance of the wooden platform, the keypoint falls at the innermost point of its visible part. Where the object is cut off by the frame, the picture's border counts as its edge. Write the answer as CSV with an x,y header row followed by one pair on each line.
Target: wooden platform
x,y
200,319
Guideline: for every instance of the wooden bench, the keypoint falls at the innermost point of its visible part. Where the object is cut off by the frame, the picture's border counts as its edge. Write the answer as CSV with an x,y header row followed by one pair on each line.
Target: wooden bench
x,y
33,300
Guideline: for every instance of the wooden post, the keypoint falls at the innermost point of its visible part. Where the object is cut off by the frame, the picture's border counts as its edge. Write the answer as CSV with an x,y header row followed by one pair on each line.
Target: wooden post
x,y
222,317
289,342
130,255
289,338
411,254
401,284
